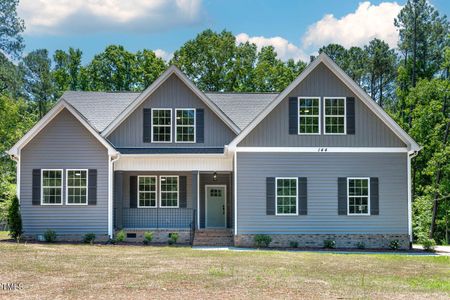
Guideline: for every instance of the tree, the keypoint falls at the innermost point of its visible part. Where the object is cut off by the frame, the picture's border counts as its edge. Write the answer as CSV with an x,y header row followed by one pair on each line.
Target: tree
x,y
149,67
15,219
10,77
66,73
357,64
38,79
11,27
337,53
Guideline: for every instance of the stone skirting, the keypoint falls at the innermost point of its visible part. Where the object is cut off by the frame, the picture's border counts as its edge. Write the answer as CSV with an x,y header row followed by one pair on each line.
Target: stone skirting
x,y
159,236
370,241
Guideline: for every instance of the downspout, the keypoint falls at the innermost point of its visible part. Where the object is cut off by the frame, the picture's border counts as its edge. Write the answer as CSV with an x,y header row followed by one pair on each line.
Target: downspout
x,y
112,159
411,154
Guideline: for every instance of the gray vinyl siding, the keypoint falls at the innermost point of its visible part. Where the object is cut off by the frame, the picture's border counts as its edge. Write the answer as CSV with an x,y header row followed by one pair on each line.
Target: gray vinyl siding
x,y
273,131
173,93
64,144
322,171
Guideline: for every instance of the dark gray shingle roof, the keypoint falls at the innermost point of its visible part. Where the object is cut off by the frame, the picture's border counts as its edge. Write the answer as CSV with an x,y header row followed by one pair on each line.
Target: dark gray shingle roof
x,y
101,108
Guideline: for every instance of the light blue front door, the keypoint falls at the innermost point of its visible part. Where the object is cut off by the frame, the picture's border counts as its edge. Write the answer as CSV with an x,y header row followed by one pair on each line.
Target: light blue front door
x,y
215,206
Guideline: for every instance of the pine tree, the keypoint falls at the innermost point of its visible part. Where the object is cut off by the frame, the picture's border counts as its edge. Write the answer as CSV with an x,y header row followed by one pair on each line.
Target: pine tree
x,y
15,219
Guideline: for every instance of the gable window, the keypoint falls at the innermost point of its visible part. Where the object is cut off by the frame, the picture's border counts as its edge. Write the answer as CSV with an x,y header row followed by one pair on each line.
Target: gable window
x,y
146,191
358,192
168,191
308,115
51,187
161,125
185,125
335,115
76,187
286,195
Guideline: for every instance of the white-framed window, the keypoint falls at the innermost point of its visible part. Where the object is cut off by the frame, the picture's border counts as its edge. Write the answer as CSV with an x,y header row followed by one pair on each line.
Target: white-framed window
x,y
335,115
76,187
168,191
358,196
51,186
185,125
309,110
286,196
162,125
146,191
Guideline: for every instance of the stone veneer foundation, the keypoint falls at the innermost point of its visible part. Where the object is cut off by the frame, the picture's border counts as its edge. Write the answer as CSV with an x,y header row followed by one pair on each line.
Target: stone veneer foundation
x,y
317,240
159,236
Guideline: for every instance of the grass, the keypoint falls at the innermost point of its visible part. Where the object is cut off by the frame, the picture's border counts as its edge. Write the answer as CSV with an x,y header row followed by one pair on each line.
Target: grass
x,y
84,271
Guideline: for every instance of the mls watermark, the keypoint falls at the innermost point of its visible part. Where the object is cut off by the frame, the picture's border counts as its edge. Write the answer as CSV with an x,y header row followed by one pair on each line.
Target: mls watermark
x,y
11,286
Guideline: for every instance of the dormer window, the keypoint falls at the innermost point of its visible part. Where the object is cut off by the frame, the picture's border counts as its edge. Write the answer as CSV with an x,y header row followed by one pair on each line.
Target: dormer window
x,y
161,125
185,125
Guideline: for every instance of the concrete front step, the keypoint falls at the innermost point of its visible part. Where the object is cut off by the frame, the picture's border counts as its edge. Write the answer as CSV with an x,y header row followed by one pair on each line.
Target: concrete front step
x,y
213,238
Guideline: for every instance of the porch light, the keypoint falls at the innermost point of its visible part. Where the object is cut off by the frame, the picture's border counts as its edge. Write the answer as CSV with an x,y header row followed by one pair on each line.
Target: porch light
x,y
215,176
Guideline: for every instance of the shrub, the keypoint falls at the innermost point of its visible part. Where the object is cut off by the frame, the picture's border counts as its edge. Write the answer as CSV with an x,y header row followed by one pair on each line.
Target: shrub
x,y
50,236
148,237
394,244
262,240
120,236
173,238
428,244
360,245
293,244
89,238
15,219
329,244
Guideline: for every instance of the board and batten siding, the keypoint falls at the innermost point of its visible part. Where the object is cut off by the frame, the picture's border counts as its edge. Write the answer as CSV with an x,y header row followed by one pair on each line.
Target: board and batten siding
x,y
64,144
322,171
273,131
173,93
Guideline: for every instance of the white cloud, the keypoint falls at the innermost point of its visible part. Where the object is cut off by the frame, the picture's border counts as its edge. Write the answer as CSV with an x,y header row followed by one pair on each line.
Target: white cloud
x,y
357,28
283,47
163,54
84,16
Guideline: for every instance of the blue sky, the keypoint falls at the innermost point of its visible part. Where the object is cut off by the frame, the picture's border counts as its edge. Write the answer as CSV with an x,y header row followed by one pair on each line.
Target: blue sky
x,y
295,28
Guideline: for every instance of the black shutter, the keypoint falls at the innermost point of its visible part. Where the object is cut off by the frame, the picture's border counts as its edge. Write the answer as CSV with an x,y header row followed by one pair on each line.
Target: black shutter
x,y
200,125
92,188
302,196
374,196
36,198
133,191
182,191
147,123
342,196
350,106
293,115
270,196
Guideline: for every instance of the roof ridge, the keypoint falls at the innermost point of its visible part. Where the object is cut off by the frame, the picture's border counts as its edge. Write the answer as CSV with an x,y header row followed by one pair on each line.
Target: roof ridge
x,y
242,93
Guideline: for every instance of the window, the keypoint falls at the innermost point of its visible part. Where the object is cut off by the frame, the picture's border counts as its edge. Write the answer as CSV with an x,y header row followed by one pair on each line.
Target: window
x,y
335,115
146,191
168,189
358,192
308,115
76,187
162,125
51,187
286,196
185,125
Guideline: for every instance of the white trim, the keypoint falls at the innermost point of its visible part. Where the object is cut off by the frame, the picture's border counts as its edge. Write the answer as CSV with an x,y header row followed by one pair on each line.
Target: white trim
x,y
338,116
59,106
348,196
156,191
178,191
235,193
299,116
111,162
296,196
67,187
353,86
323,149
198,199
170,126
410,155
62,187
224,186
154,86
195,126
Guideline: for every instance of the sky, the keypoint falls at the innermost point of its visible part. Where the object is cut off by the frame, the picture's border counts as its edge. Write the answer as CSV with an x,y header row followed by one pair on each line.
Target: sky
x,y
297,29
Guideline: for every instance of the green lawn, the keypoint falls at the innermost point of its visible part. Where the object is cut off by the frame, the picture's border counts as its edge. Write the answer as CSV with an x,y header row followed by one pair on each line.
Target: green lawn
x,y
82,271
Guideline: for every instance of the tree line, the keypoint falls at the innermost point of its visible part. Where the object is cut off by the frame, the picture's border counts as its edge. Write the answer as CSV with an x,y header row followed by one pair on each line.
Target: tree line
x,y
410,82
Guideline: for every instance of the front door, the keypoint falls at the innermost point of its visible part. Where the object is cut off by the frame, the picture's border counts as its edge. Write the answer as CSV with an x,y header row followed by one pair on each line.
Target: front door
x,y
216,209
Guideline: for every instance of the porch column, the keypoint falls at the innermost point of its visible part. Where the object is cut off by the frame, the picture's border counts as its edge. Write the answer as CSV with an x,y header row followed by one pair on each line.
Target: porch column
x,y
118,199
195,195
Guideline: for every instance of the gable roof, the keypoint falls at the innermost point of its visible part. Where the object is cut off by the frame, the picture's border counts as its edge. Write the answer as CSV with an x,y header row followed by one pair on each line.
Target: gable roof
x,y
42,123
154,86
352,85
